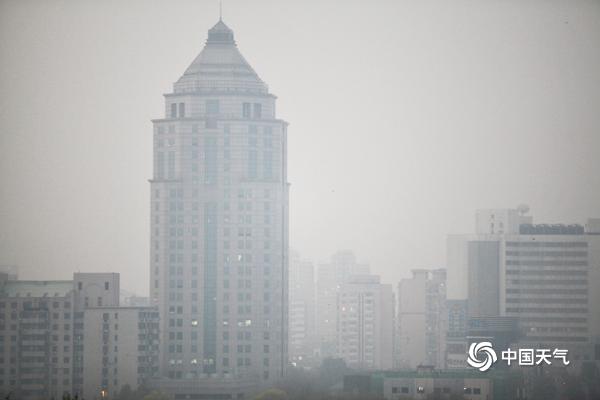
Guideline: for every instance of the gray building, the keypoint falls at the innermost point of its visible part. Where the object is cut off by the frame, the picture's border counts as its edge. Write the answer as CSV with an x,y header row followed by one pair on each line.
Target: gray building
x,y
365,323
421,308
541,275
219,227
120,347
52,338
36,338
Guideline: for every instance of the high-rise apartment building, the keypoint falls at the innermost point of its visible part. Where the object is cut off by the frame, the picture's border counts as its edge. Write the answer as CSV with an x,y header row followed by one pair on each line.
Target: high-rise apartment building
x,y
330,277
302,334
541,275
421,308
365,323
219,227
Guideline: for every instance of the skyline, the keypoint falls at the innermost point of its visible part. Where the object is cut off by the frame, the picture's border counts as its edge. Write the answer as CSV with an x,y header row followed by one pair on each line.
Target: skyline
x,y
371,206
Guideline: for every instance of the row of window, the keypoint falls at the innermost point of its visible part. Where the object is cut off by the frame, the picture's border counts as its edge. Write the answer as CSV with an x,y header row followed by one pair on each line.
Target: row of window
x,y
252,130
437,390
212,107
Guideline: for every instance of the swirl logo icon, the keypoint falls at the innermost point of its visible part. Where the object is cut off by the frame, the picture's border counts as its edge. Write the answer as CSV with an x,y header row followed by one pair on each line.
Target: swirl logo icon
x,y
484,349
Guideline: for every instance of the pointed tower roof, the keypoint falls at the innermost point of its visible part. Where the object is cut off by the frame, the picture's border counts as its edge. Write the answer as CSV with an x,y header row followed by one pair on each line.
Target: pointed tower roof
x,y
220,67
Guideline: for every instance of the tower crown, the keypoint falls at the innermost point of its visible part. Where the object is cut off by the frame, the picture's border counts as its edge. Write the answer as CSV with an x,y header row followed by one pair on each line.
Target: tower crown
x,y
220,67
220,34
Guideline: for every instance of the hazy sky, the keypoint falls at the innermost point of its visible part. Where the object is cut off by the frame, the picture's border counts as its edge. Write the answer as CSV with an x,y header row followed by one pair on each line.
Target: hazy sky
x,y
404,117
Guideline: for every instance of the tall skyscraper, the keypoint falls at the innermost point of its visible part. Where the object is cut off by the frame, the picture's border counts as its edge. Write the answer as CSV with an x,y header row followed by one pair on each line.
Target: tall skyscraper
x,y
219,227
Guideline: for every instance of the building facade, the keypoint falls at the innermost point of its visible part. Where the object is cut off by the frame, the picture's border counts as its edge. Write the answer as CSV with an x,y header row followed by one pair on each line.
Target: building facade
x,y
421,308
51,341
330,277
302,319
36,339
219,226
539,274
120,347
365,323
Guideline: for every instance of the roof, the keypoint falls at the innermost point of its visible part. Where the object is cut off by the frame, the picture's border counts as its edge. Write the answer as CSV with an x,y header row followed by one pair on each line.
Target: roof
x,y
220,67
36,288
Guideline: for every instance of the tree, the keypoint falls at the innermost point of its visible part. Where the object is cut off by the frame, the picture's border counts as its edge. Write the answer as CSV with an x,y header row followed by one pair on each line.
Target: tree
x,y
157,395
272,394
332,371
126,393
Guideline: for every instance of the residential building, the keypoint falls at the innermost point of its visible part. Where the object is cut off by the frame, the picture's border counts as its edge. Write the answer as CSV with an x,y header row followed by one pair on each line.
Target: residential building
x,y
421,308
120,347
331,276
52,343
89,290
365,323
302,334
36,339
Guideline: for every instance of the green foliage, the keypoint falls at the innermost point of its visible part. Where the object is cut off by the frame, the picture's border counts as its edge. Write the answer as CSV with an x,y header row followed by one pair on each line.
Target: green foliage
x,y
272,394
126,393
156,395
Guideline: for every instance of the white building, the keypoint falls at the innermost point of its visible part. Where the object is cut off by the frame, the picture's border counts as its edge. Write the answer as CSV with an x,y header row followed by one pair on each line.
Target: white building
x,y
219,227
330,277
302,334
365,323
543,275
421,307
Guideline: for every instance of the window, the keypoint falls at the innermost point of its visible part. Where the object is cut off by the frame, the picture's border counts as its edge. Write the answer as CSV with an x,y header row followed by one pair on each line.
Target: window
x,y
174,110
181,110
246,110
79,285
257,111
106,285
212,106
